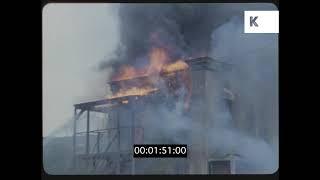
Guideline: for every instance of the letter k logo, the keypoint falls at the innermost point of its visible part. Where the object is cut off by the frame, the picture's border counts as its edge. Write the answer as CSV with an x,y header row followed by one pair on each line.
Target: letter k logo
x,y
253,21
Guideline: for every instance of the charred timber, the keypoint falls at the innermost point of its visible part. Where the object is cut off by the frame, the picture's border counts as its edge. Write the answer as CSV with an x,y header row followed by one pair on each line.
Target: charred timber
x,y
114,102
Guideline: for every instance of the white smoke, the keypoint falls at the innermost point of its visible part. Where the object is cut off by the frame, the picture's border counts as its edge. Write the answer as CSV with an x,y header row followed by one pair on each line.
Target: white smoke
x,y
253,80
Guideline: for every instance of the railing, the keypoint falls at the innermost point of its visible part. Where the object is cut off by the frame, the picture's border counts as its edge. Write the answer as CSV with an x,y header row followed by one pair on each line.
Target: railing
x,y
103,162
100,158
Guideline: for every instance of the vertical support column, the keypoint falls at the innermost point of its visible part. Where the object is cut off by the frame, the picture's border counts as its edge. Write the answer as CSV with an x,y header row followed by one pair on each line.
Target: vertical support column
x,y
74,137
133,129
98,142
87,133
254,120
87,136
119,152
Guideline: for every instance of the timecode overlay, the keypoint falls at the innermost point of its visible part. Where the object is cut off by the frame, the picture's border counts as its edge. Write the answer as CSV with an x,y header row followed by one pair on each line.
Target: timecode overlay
x,y
160,151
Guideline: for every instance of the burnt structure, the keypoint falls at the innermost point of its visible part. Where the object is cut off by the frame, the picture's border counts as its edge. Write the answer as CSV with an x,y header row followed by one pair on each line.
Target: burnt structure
x,y
107,149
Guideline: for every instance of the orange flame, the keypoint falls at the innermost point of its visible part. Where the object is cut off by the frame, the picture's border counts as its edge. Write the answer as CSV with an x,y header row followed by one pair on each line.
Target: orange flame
x,y
158,57
159,63
133,91
125,102
177,66
128,72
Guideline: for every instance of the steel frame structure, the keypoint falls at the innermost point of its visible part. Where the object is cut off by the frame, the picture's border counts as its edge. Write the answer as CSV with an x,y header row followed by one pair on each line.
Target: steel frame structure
x,y
93,106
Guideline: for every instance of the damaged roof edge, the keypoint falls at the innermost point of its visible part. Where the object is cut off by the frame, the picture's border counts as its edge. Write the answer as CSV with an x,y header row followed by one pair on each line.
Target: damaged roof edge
x,y
196,64
207,63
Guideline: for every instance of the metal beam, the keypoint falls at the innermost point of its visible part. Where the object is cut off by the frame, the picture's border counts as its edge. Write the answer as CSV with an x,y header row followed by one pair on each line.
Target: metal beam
x,y
119,153
133,142
87,105
91,104
113,101
76,117
87,133
74,138
101,109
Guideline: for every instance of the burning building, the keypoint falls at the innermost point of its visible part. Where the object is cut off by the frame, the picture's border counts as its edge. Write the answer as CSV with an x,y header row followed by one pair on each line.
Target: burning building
x,y
187,83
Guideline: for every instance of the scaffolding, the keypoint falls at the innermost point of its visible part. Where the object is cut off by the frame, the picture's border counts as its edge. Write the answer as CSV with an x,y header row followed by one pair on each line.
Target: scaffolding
x,y
99,157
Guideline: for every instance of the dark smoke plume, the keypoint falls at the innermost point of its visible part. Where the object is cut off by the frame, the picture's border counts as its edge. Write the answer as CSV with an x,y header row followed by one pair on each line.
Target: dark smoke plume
x,y
183,29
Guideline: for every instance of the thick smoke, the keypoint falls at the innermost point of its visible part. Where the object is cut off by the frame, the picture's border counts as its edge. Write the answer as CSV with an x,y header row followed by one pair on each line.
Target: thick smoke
x,y
254,81
182,29
192,30
57,150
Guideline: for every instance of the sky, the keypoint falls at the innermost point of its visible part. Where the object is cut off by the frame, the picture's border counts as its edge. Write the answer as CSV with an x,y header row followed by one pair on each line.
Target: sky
x,y
76,37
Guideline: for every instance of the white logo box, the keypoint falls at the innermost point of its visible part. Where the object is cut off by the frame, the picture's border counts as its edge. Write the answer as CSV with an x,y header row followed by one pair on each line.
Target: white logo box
x,y
261,21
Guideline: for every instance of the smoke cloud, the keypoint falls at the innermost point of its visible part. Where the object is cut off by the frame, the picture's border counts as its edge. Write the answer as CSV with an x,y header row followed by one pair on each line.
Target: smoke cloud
x,y
192,30
182,29
254,81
